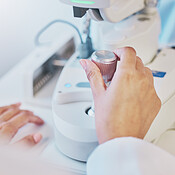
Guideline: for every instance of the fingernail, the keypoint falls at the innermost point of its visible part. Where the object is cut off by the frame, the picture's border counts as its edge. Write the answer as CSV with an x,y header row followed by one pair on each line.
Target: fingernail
x,y
37,137
83,63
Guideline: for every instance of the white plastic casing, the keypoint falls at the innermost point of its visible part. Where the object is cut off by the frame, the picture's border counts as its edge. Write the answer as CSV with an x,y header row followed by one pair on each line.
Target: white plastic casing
x,y
110,10
165,88
91,4
120,9
75,132
34,61
140,31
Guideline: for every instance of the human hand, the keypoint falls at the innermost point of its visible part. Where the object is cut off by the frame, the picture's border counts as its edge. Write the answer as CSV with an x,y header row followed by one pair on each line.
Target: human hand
x,y
12,118
130,104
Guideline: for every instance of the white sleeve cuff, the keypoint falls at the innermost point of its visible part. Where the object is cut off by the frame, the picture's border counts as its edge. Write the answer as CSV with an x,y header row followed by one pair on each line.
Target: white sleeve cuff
x,y
130,156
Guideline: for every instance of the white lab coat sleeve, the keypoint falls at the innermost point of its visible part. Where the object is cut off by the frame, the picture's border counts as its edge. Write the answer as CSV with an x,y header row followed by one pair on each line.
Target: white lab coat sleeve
x,y
130,156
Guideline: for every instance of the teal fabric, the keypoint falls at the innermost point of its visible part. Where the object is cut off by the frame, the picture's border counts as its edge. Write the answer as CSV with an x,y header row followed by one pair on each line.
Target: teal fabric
x,y
167,13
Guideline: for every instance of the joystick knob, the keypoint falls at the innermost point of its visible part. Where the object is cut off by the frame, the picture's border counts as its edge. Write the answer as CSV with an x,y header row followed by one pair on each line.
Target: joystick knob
x,y
106,62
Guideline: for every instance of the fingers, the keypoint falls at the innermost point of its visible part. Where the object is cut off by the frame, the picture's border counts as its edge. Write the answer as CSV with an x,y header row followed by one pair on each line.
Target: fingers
x,y
7,115
4,108
94,76
127,57
10,128
30,140
149,75
25,117
139,64
140,67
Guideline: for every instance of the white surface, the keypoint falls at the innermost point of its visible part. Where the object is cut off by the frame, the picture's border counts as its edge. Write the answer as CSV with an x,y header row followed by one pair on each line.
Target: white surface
x,y
165,88
167,137
165,62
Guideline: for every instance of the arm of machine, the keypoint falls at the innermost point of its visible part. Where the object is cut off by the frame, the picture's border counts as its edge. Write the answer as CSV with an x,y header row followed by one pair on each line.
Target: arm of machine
x,y
123,25
109,10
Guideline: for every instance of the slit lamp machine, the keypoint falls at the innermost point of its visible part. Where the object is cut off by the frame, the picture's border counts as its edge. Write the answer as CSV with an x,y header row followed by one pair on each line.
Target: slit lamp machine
x,y
122,23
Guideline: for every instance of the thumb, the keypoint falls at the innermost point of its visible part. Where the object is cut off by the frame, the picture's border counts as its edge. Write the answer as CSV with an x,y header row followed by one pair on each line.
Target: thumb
x,y
30,140
94,76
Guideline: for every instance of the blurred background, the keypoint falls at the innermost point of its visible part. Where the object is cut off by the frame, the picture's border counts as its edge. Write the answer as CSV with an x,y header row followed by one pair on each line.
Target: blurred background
x,y
20,20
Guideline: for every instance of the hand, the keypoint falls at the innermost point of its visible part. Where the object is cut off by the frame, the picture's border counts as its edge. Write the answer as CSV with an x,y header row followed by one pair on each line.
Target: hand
x,y
12,118
130,104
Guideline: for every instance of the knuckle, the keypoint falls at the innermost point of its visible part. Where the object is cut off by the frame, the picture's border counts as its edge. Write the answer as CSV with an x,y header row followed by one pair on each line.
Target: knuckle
x,y
23,113
159,103
129,73
91,74
130,49
148,70
142,75
30,140
139,59
144,83
150,75
9,128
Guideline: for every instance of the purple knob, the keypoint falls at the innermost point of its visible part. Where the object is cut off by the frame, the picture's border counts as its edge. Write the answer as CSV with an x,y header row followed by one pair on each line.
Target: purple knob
x,y
106,62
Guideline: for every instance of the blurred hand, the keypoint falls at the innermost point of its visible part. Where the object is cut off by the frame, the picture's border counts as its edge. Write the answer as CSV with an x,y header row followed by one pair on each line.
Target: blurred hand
x,y
12,118
130,104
